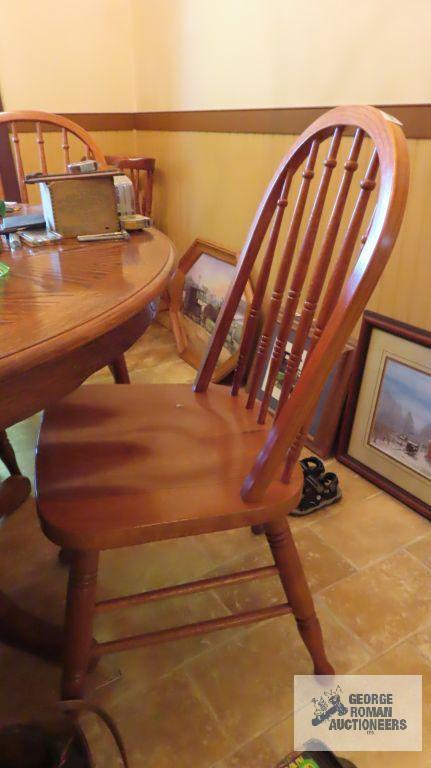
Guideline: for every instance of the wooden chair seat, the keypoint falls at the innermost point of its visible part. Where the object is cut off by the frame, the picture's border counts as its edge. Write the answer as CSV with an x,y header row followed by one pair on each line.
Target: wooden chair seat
x,y
117,467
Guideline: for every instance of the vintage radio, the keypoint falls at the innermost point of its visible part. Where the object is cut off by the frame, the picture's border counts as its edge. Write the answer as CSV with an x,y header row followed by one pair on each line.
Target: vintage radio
x,y
84,204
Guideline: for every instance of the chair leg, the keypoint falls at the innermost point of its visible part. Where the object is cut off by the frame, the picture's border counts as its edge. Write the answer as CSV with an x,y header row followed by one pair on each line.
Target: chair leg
x,y
81,594
7,454
65,556
119,370
297,592
257,529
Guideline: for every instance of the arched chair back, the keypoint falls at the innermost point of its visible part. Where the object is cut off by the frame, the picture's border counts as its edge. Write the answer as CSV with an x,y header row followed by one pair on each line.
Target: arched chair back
x,y
35,121
332,238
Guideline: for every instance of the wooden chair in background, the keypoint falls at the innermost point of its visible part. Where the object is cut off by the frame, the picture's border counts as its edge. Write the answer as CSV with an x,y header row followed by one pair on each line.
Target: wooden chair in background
x,y
136,166
162,461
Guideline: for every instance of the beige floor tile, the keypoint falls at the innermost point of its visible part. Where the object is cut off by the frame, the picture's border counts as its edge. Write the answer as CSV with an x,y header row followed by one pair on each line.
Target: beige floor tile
x,y
385,602
345,651
169,725
323,565
158,564
156,661
226,546
365,531
422,641
249,680
405,659
257,753
422,549
281,737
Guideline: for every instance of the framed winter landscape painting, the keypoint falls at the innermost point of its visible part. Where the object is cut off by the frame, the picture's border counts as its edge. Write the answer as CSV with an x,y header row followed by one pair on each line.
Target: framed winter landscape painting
x,y
386,431
199,286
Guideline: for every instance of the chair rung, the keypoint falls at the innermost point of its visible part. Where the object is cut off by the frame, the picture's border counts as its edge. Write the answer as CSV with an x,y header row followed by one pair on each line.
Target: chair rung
x,y
185,589
187,630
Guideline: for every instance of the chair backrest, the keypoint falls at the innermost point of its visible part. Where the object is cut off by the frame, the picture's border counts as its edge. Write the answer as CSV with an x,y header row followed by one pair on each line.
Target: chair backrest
x,y
135,166
46,118
331,287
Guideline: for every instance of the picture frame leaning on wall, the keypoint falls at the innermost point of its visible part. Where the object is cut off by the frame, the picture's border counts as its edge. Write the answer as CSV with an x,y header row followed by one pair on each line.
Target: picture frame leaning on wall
x,y
197,290
386,429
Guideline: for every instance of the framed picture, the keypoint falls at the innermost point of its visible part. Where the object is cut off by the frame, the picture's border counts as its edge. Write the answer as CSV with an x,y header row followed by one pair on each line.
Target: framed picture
x,y
386,430
321,438
197,291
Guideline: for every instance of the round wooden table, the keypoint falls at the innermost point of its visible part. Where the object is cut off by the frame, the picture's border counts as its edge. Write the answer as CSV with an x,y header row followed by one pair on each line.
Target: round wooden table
x,y
66,311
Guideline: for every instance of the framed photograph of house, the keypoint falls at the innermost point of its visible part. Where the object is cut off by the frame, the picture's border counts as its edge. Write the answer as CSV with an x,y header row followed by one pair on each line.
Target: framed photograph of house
x,y
321,437
386,430
197,291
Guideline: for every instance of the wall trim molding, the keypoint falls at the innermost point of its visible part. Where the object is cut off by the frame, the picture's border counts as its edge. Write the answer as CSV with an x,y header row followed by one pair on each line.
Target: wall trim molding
x,y
416,120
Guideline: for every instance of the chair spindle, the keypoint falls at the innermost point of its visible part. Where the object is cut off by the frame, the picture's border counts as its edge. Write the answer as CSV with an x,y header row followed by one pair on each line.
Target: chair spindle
x,y
65,147
261,285
283,274
41,147
335,286
18,164
342,264
300,272
321,269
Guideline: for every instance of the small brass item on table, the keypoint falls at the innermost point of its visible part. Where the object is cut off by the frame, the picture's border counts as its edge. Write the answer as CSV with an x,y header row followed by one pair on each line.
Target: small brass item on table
x,y
135,221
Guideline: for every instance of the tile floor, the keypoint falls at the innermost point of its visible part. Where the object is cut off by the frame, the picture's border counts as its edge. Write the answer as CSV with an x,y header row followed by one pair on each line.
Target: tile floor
x,y
225,700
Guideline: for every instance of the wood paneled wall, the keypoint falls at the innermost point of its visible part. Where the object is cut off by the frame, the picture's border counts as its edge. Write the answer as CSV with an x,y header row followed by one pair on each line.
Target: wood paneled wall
x,y
208,185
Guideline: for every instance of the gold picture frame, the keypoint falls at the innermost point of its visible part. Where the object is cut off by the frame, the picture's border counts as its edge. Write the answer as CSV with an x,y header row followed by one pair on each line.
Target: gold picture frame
x,y
197,291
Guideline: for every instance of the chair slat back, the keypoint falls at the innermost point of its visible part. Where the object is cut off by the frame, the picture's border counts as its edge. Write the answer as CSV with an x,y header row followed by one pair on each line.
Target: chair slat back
x,y
64,125
325,276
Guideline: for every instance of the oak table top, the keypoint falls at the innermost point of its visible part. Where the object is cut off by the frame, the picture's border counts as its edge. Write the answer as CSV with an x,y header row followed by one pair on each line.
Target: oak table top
x,y
59,298
66,310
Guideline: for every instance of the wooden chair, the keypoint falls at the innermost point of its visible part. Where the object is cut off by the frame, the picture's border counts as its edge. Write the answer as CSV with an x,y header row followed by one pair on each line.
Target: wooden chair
x,y
136,166
37,120
163,461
